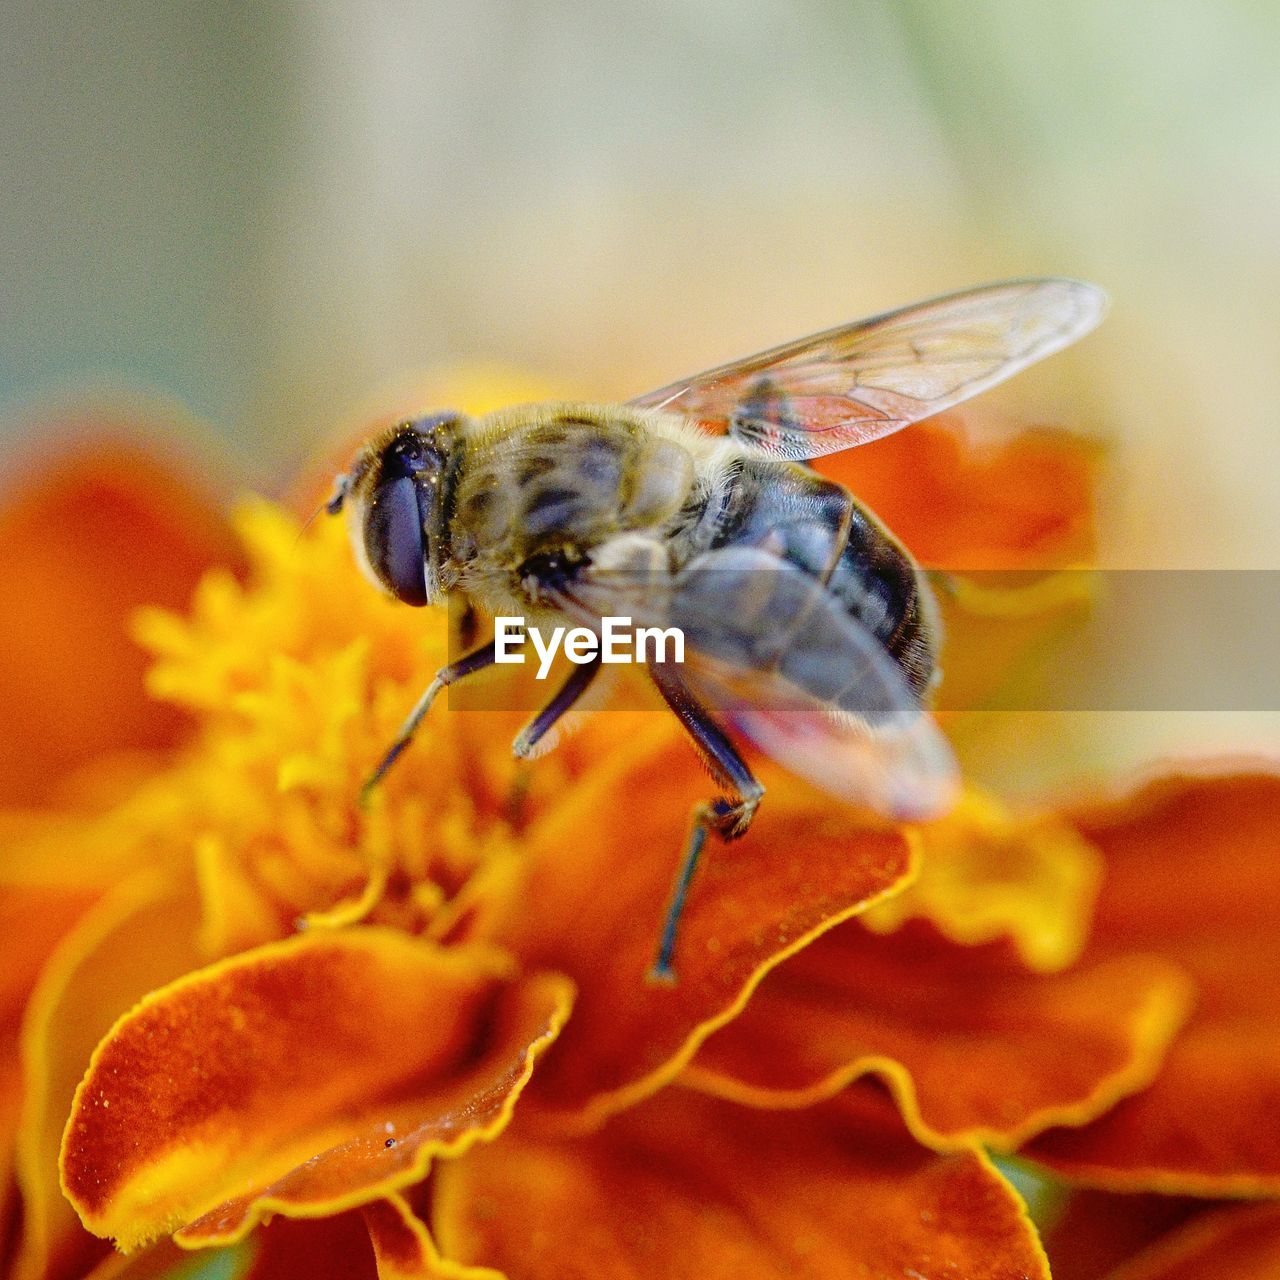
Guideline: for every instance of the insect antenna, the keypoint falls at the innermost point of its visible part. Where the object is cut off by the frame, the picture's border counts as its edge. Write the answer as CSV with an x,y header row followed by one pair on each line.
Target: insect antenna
x,y
331,505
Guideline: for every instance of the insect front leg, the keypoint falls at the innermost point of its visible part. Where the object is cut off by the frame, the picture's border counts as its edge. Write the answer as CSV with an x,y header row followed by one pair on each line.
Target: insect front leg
x,y
455,671
578,682
728,816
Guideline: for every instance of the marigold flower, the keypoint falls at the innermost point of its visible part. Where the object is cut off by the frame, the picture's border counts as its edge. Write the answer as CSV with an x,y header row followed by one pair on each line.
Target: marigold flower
x,y
417,1040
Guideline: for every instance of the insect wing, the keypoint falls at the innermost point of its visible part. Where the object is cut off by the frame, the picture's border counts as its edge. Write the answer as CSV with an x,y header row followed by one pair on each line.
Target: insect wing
x,y
777,659
858,382
904,771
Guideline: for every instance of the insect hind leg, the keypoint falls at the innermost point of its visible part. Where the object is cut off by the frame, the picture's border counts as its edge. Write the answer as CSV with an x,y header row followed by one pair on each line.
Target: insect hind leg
x,y
728,816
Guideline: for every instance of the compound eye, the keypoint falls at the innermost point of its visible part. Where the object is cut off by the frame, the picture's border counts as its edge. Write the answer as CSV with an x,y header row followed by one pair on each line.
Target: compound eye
x,y
394,539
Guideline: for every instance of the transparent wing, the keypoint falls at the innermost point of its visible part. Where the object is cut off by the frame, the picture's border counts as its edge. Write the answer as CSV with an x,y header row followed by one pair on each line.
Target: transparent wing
x,y
859,382
776,659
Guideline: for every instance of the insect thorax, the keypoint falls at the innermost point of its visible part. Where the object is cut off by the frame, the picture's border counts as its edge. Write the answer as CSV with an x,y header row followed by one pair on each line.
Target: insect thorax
x,y
563,479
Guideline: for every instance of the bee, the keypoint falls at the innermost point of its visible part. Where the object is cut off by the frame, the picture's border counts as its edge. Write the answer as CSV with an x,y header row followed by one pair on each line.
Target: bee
x,y
810,631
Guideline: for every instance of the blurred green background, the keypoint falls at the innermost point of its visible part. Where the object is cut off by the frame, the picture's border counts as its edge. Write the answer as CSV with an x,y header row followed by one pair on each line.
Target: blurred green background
x,y
268,212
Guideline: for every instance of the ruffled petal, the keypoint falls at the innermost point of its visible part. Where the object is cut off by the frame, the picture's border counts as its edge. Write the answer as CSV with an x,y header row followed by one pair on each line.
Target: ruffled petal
x,y
973,1047
1192,872
1229,1244
105,528
1025,503
1088,1233
685,1187
404,1250
331,1248
999,641
396,1247
600,876
305,1077
136,938
394,1145
986,875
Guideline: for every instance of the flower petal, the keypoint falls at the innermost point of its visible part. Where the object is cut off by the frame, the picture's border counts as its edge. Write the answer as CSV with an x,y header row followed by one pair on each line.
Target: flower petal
x,y
685,1187
601,871
335,1248
1024,503
1088,1233
999,640
137,937
10,1105
207,1105
107,527
473,1105
404,1250
1241,1243
987,875
1192,872
973,1047
32,918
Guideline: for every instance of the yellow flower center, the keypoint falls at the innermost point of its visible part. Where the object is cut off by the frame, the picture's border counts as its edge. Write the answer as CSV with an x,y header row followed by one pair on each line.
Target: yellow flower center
x,y
299,678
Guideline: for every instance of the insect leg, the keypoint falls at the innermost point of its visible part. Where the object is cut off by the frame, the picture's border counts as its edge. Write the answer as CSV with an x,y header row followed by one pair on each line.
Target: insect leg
x,y
464,624
728,816
574,687
455,671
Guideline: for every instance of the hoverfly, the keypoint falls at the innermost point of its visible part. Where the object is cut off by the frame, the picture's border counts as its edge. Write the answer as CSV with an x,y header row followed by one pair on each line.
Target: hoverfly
x,y
810,630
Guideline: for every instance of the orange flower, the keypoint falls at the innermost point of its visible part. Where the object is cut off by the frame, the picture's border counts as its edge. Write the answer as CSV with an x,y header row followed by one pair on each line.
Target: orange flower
x,y
418,1040
1192,872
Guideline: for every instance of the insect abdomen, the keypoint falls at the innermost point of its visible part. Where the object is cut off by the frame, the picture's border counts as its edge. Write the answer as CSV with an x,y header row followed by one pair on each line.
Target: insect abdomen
x,y
879,584
819,526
